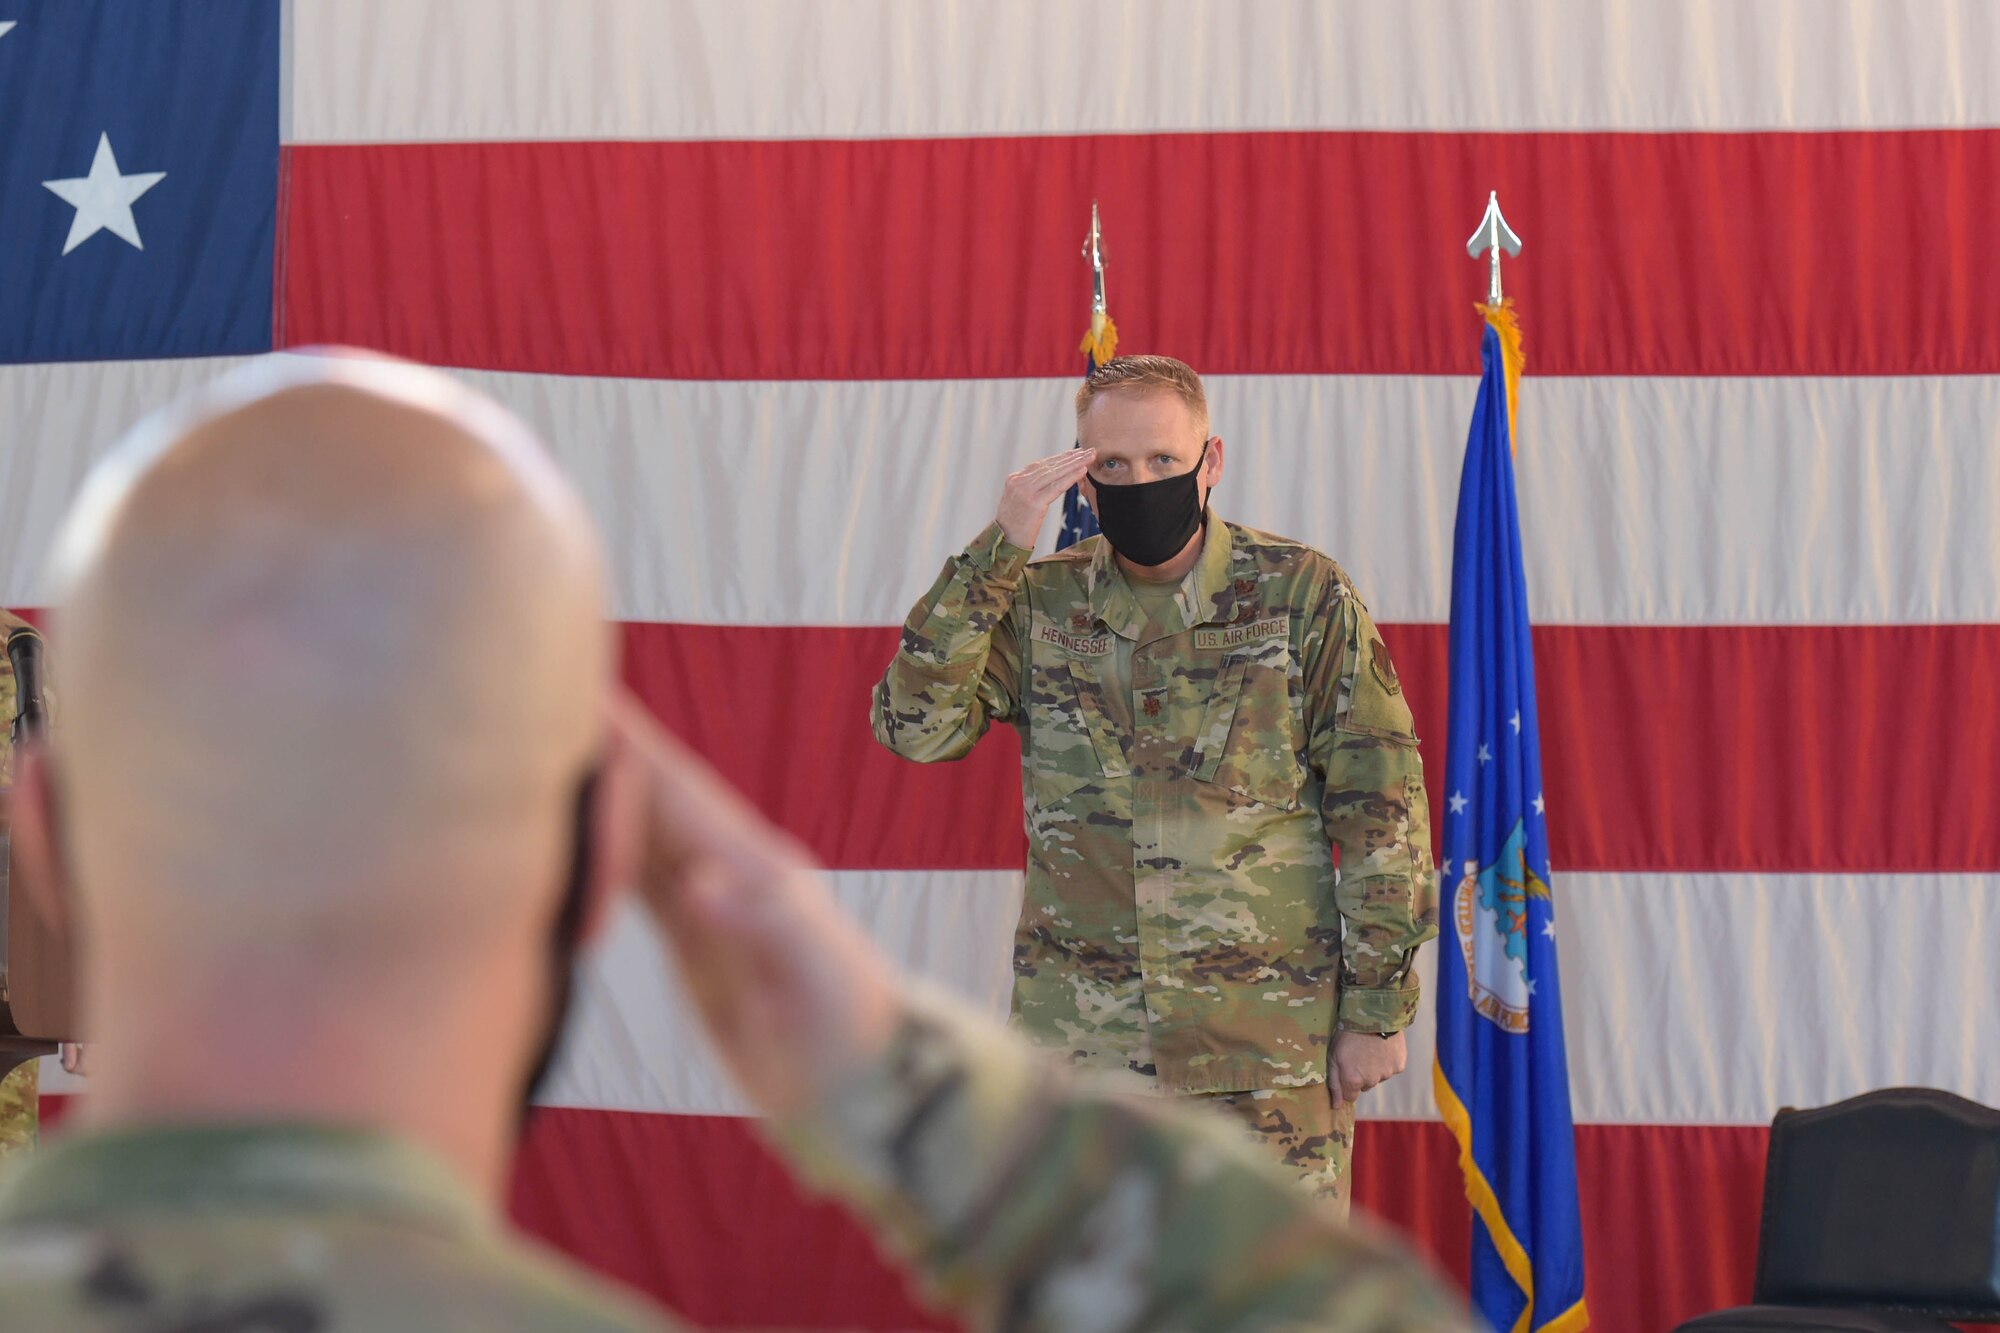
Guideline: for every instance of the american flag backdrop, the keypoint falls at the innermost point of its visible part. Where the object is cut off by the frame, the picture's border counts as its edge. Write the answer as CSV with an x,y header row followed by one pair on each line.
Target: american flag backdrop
x,y
790,289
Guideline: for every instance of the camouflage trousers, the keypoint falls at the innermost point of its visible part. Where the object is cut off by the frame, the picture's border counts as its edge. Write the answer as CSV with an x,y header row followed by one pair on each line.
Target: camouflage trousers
x,y
1303,1128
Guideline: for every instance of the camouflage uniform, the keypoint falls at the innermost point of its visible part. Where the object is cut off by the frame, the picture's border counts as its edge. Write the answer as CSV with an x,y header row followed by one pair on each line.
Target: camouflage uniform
x,y
1305,1128
20,1092
1025,1201
1229,843
20,1110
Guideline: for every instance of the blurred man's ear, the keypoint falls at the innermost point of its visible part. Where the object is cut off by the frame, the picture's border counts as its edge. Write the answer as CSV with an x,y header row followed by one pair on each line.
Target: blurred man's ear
x,y
615,826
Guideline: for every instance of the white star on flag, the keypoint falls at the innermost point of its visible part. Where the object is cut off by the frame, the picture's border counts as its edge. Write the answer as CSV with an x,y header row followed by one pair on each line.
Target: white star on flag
x,y
103,199
1539,804
1485,755
1549,929
1458,802
1515,721
7,26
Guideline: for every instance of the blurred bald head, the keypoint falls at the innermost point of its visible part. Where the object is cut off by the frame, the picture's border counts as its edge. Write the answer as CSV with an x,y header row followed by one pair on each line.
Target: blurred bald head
x,y
333,665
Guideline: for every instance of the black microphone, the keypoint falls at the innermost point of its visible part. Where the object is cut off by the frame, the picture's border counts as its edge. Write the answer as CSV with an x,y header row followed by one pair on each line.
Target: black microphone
x,y
31,710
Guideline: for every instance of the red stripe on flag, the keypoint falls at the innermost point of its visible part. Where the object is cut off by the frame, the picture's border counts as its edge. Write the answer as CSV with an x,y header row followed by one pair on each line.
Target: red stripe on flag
x,y
1266,253
1697,749
696,1213
783,713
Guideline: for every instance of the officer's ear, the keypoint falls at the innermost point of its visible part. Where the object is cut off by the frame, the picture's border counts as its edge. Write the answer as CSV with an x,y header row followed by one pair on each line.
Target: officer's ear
x,y
41,870
1211,466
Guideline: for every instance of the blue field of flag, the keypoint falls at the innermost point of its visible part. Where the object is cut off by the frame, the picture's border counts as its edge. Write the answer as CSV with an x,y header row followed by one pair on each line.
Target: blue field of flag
x,y
138,178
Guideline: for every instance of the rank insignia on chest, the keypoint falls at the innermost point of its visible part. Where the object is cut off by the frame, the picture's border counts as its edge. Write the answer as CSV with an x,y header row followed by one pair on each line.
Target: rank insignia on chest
x,y
1080,621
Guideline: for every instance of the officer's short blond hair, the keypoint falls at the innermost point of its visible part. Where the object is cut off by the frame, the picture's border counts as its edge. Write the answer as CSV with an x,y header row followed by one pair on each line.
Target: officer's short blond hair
x,y
1130,373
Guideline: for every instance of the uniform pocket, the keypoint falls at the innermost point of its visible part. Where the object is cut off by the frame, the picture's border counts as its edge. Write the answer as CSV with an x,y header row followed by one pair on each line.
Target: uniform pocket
x,y
1248,742
1068,742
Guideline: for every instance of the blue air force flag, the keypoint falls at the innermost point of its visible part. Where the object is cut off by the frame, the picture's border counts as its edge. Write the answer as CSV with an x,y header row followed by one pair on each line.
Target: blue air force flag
x,y
1502,1081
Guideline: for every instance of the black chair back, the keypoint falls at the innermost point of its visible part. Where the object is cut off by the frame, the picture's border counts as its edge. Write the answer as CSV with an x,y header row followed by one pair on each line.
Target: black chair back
x,y
1888,1199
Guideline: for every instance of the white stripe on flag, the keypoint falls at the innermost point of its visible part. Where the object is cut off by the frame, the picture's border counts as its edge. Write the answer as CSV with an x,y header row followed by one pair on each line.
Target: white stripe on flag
x,y
1644,501
377,70
1690,999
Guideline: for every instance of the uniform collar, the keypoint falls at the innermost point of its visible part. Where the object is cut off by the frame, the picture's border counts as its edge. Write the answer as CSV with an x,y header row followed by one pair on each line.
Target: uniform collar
x,y
245,1167
1208,595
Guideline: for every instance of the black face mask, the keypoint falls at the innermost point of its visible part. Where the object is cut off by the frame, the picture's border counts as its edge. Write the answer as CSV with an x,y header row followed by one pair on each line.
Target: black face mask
x,y
564,943
1148,522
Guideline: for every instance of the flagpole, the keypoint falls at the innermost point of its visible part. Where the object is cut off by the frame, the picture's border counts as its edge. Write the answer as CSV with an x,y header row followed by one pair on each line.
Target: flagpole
x,y
1100,344
1493,236
1093,250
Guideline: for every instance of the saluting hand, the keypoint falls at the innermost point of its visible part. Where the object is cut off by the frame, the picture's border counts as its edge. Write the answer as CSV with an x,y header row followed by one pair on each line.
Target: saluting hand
x,y
793,993
1025,500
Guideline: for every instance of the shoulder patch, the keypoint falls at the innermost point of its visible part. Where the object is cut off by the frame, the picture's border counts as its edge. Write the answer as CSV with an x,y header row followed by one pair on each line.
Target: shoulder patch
x,y
1382,667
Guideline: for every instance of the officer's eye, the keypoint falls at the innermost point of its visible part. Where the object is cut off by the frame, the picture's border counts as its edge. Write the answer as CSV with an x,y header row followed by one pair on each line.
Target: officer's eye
x,y
1165,460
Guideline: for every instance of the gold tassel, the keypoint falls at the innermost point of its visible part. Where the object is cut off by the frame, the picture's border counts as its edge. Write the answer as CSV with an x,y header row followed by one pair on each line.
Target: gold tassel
x,y
1101,343
1512,358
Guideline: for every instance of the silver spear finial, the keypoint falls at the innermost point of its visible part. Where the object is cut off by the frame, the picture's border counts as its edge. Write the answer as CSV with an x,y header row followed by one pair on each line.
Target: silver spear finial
x,y
1093,250
1495,235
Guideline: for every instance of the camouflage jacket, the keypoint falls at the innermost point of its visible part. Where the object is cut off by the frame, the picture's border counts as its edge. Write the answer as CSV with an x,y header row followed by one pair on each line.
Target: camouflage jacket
x,y
20,1112
1024,1200
1228,839
6,720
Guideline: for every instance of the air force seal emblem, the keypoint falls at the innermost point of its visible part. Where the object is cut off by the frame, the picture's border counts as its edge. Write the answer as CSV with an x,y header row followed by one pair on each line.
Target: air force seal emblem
x,y
1491,913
